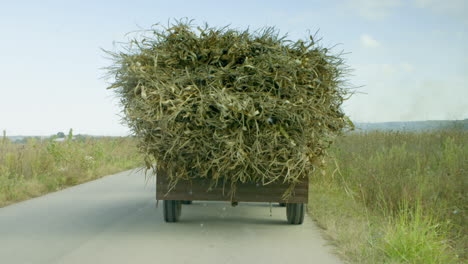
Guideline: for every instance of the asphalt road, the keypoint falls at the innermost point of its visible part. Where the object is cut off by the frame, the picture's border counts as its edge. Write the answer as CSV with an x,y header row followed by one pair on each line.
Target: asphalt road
x,y
115,220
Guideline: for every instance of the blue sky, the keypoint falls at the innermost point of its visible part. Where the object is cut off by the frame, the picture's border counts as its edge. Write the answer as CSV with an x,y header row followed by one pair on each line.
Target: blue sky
x,y
409,57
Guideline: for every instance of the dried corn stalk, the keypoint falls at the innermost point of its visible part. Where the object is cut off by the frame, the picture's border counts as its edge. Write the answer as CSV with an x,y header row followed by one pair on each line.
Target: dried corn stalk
x,y
232,106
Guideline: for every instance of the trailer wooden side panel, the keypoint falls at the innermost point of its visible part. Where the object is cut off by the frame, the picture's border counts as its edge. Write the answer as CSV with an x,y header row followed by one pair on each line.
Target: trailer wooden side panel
x,y
198,189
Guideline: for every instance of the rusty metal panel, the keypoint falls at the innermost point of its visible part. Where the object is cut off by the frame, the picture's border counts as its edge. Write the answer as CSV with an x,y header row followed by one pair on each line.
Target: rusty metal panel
x,y
198,189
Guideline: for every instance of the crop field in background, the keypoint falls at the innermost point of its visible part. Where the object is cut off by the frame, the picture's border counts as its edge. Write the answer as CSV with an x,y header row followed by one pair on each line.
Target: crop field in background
x,y
38,167
393,197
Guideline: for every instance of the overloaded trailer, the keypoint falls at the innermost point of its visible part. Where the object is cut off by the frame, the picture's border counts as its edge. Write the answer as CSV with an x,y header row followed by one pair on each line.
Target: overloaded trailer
x,y
197,190
223,108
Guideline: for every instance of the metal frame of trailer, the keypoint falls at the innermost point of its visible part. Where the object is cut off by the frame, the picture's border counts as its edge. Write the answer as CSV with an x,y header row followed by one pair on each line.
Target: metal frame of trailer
x,y
198,190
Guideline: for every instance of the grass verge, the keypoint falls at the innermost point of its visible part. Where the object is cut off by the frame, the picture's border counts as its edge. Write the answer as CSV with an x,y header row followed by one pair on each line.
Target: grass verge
x,y
395,197
39,167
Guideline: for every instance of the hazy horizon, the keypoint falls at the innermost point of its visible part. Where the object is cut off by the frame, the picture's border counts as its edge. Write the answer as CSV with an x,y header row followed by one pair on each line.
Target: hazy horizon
x,y
129,134
409,57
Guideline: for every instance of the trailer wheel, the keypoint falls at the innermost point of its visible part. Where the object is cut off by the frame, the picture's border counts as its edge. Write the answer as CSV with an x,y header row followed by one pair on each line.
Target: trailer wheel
x,y
172,210
295,213
186,202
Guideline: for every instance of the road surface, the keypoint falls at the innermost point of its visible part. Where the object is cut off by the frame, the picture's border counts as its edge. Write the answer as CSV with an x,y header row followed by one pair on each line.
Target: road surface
x,y
115,220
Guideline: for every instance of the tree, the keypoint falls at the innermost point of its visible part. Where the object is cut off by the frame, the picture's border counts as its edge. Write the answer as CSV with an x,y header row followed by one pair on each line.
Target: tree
x,y
70,134
60,135
4,138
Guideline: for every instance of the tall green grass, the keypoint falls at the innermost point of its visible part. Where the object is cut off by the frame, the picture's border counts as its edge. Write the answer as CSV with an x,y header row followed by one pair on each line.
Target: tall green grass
x,y
38,167
404,192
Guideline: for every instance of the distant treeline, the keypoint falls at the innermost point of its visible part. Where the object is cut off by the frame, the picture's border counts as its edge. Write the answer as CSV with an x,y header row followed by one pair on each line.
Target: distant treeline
x,y
79,137
414,125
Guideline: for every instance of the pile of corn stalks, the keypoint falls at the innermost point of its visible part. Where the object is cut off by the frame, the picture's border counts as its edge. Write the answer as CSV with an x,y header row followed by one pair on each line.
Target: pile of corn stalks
x,y
228,105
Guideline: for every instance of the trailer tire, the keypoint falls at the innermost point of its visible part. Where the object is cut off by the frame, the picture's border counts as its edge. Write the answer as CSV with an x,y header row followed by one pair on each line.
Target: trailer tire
x,y
172,210
295,213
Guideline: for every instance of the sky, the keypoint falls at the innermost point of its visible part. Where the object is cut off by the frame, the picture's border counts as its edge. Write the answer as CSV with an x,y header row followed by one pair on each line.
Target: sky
x,y
408,57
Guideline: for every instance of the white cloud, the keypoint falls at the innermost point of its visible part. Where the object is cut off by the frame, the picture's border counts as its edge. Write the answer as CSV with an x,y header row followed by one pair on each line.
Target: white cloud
x,y
389,70
450,5
369,42
390,92
430,99
374,9
407,67
393,70
452,8
381,9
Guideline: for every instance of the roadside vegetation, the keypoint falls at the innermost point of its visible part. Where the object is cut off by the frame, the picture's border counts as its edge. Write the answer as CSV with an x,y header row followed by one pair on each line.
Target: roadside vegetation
x,y
381,197
394,197
37,167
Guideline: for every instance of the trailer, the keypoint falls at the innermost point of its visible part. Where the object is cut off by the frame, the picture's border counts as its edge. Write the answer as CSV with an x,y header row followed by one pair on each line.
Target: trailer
x,y
199,190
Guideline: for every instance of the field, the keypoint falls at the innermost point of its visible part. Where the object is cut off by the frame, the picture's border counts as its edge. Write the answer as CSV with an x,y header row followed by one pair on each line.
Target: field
x,y
393,197
38,167
381,197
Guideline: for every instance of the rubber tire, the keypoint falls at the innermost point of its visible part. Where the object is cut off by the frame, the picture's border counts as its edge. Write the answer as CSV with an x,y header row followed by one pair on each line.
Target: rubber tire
x,y
186,202
295,213
282,204
172,210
